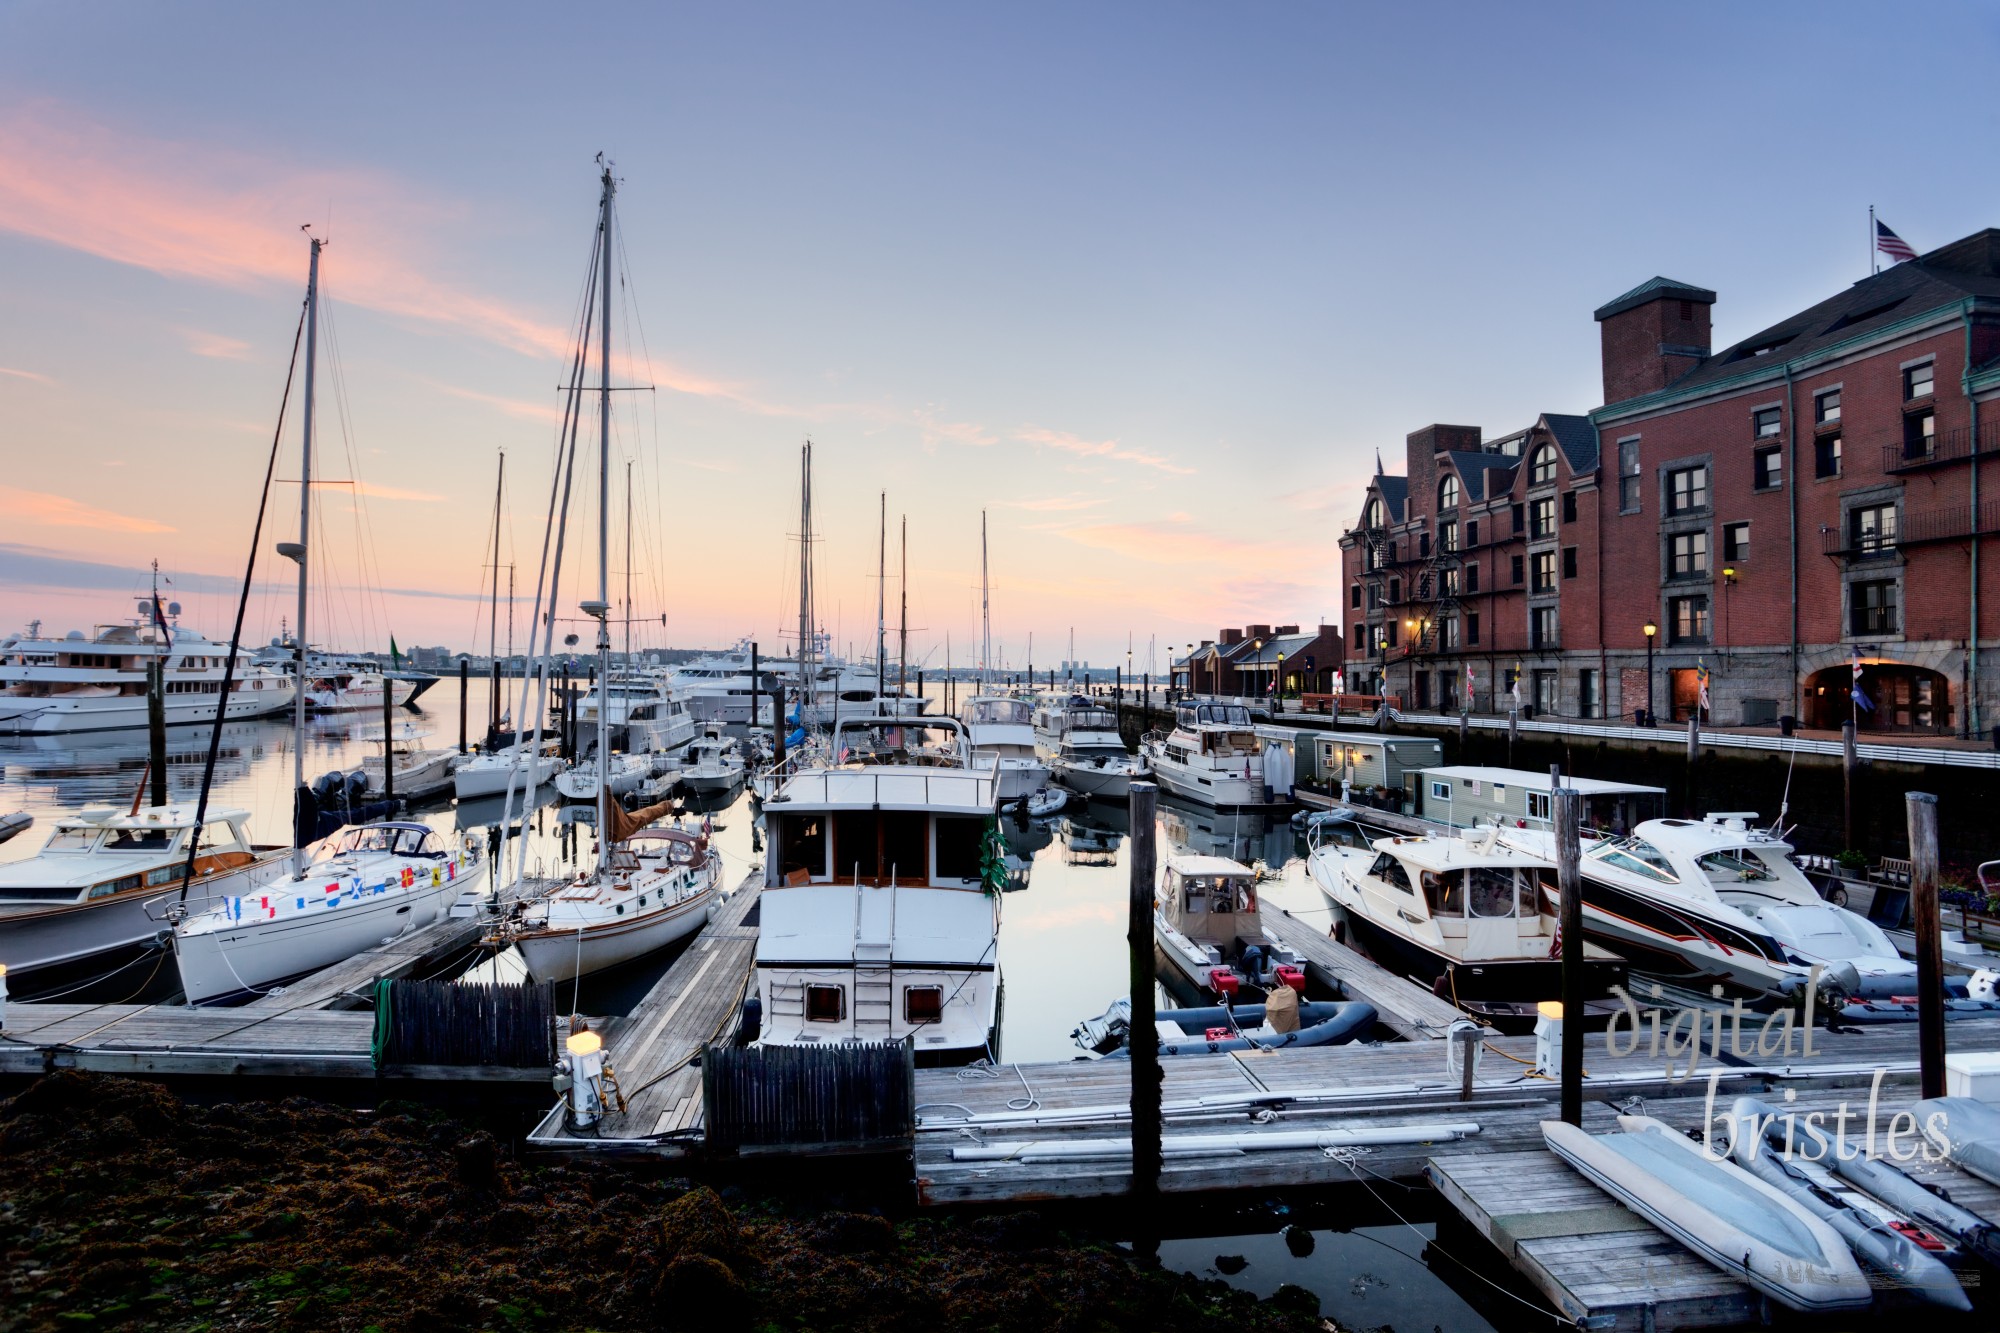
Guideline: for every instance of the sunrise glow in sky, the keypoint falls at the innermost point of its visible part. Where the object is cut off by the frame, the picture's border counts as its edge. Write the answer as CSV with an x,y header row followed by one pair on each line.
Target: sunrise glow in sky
x,y
1149,283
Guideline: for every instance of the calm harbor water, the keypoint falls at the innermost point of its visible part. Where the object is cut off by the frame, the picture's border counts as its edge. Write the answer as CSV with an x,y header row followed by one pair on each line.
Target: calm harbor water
x,y
1063,950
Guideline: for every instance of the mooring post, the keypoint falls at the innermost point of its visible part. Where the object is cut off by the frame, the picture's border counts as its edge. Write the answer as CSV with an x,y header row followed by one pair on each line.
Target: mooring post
x,y
1142,1037
464,679
156,722
389,737
1567,807
1921,809
493,707
778,723
1693,756
1849,762
1513,730
1464,734
755,688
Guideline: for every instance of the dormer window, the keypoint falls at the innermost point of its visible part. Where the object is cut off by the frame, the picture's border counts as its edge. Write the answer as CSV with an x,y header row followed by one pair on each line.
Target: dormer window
x,y
1542,469
1372,516
1448,494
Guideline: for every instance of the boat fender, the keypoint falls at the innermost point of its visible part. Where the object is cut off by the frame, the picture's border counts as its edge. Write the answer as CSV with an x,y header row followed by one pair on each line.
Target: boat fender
x,y
750,1023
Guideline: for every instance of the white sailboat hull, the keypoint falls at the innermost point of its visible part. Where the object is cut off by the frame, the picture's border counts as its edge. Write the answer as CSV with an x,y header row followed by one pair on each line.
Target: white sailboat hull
x,y
564,955
475,780
56,714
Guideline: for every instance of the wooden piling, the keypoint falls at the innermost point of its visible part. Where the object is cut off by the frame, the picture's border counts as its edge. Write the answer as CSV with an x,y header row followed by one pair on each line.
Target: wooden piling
x,y
777,723
1513,730
1693,757
156,722
1143,1039
464,679
1567,809
755,688
1850,761
493,706
1921,810
389,734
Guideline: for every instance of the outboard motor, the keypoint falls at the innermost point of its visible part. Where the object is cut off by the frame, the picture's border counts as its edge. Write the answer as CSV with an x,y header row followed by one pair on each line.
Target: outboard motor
x,y
1253,961
1107,1032
327,789
357,787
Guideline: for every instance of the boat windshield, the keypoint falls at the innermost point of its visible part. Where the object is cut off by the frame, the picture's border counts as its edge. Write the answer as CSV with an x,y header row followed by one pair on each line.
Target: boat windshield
x,y
1218,893
1638,856
141,840
379,838
1493,890
72,840
1224,715
998,713
1390,871
1734,865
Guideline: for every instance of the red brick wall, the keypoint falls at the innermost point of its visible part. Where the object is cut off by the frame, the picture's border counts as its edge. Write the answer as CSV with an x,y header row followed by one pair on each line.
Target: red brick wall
x,y
1631,341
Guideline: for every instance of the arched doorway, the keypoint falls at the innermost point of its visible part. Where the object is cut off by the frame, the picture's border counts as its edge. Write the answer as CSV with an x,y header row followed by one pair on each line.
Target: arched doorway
x,y
1904,698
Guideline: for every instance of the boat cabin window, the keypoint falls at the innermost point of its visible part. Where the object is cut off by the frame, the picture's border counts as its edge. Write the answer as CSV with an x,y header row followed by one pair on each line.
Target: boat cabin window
x,y
1218,893
1230,744
878,847
801,846
1640,857
1491,890
826,1004
959,843
1737,865
141,839
997,713
1225,715
72,840
923,1004
1390,871
1445,892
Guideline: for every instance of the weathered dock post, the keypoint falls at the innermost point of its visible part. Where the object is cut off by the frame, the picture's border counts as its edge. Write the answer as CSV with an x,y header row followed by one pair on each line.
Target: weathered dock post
x,y
1567,807
464,679
1513,730
1849,761
1693,758
1921,809
493,708
1464,734
777,724
389,736
755,689
563,740
1142,1036
156,723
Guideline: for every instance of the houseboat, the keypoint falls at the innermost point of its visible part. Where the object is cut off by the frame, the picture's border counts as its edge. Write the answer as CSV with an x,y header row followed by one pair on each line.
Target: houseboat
x,y
1469,796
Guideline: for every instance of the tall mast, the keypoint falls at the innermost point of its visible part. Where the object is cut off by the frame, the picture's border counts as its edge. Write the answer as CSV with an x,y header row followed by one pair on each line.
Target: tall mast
x,y
985,609
881,589
628,564
493,618
805,574
603,611
903,621
305,548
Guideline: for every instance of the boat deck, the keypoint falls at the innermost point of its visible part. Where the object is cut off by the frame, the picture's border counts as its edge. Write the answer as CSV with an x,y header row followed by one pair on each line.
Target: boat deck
x,y
1401,1005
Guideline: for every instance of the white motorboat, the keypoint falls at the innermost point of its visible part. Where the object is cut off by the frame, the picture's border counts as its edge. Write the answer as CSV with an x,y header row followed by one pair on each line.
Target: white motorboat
x,y
652,888
660,727
625,774
880,916
1716,902
363,886
1214,756
719,687
1465,916
618,695
1209,928
1735,1221
1001,727
420,772
1081,743
485,775
713,765
337,686
103,881
14,824
98,683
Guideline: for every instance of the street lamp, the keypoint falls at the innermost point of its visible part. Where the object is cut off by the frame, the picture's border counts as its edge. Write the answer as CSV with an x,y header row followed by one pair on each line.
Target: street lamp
x,y
1728,582
1651,630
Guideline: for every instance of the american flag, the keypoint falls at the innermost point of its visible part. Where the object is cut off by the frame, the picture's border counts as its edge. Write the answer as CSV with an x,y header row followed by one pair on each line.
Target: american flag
x,y
1890,244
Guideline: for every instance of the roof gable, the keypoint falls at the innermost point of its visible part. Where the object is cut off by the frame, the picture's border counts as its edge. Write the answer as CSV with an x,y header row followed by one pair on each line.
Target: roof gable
x,y
1653,289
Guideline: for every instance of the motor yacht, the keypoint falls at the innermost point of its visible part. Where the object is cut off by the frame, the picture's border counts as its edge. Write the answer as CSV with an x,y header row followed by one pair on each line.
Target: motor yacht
x,y
487,775
1465,916
98,683
100,886
713,765
420,772
1718,902
1080,742
1208,926
1215,756
881,911
1001,727
622,775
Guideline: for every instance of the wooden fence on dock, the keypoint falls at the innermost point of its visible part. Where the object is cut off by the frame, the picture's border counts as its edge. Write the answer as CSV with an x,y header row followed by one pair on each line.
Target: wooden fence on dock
x,y
850,1097
494,1025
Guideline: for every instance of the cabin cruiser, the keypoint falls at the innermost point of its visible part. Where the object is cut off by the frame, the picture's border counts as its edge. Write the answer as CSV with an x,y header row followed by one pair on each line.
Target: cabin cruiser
x,y
1207,925
483,775
1465,916
618,695
719,687
1000,727
99,683
713,765
1215,756
880,919
623,775
1717,902
420,772
1080,742
841,692
100,884
362,886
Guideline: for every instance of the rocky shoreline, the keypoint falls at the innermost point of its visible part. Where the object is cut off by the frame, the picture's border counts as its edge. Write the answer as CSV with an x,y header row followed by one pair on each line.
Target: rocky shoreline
x,y
122,1206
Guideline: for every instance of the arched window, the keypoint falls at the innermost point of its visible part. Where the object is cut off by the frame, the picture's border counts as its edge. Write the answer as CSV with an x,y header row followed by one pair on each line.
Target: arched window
x,y
1543,468
1448,494
1372,516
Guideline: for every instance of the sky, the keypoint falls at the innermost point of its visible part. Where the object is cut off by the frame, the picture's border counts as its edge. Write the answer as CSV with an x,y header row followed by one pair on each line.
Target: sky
x,y
1149,285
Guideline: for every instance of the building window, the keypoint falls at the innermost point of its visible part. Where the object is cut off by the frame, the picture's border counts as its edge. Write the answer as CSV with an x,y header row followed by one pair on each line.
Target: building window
x,y
1389,634
826,1004
1687,620
1542,518
1767,469
1519,513
923,1004
1569,506
1542,628
1472,532
1586,692
1545,572
1354,596
1538,801
1472,577
1628,476
1569,562
1735,542
1448,535
1448,494
1472,627
1374,597
1917,380
1395,591
1518,566
1447,583
1371,517
1872,607
1548,699
1687,555
1766,423
1542,470
1826,407
1448,634
1920,434
1826,455
1687,490
1871,531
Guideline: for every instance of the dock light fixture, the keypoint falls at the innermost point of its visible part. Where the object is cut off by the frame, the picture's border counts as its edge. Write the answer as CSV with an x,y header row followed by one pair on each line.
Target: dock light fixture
x,y
579,1074
1729,573
1549,1038
1651,631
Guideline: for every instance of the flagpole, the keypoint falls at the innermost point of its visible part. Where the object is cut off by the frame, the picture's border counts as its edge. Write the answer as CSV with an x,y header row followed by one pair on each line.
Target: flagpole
x,y
1874,264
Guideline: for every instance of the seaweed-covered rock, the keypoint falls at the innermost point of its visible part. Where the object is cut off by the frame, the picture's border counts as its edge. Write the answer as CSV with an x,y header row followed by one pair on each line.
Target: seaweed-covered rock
x,y
698,1223
700,1292
853,1233
1013,1232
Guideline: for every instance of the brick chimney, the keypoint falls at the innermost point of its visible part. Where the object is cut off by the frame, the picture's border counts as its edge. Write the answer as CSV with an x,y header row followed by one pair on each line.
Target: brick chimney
x,y
1653,335
1283,630
1257,631
1421,450
1230,636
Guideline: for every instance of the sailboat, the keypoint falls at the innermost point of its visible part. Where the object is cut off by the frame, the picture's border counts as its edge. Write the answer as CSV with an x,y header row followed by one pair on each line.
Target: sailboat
x,y
1000,726
650,887
347,892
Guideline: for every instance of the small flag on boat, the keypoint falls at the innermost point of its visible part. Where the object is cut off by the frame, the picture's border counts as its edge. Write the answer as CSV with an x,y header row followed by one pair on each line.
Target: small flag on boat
x,y
1854,691
1556,941
1890,244
395,654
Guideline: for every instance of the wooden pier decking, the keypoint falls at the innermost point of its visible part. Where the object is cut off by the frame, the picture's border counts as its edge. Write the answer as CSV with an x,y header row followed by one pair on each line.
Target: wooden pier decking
x,y
1402,1006
351,983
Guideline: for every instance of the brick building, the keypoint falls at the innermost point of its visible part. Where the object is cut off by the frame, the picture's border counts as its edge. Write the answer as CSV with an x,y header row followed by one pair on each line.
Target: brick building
x,y
1245,661
1812,494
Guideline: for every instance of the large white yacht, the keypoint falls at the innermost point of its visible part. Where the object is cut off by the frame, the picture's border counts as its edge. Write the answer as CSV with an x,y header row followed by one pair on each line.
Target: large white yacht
x,y
1215,756
1079,740
1001,727
98,683
101,884
718,687
881,911
1717,901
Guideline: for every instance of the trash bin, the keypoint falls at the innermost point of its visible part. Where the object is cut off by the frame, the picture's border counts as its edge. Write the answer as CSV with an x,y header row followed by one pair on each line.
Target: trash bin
x,y
1638,717
1786,724
1527,712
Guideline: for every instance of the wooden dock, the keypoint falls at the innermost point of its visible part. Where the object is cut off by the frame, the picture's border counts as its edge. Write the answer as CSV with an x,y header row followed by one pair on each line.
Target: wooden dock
x,y
1405,1008
698,1000
351,984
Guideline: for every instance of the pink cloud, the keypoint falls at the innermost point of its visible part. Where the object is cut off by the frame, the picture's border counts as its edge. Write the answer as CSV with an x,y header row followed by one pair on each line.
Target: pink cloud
x,y
214,345
1110,449
34,375
1055,504
56,511
1176,541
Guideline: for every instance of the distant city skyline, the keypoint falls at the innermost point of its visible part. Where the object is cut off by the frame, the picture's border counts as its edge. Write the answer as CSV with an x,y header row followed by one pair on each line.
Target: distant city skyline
x,y
1150,284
